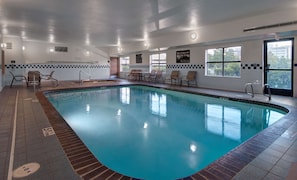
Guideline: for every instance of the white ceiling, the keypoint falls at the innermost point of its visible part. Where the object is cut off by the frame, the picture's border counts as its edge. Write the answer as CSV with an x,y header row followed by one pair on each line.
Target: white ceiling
x,y
104,23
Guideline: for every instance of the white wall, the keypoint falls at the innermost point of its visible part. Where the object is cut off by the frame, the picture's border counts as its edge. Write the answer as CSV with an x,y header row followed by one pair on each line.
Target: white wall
x,y
252,53
40,53
67,65
212,36
1,73
15,53
1,77
221,31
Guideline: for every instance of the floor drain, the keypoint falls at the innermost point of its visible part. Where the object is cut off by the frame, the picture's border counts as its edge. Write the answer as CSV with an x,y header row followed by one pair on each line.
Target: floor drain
x,y
26,170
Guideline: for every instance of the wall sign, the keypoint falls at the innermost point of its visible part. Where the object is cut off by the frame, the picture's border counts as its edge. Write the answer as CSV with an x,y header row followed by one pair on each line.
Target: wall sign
x,y
138,58
183,56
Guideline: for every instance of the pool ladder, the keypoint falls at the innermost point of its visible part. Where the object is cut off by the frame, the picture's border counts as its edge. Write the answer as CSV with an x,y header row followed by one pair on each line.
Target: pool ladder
x,y
249,86
268,94
80,76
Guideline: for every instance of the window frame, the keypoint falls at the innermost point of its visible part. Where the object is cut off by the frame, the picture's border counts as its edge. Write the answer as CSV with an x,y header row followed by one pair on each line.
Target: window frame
x,y
161,63
125,58
222,62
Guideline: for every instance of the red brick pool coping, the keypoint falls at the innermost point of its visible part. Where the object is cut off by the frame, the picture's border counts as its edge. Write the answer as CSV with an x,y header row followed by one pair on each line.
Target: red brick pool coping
x,y
87,166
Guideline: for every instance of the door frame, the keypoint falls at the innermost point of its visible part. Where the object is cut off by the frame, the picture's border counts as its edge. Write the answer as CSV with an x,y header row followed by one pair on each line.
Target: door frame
x,y
275,91
114,71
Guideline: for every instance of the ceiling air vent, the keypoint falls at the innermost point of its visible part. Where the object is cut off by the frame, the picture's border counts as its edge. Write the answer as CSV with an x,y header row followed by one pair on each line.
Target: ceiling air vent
x,y
61,49
270,26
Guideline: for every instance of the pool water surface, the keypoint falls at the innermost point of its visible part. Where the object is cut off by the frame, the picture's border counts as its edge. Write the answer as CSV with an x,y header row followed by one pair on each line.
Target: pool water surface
x,y
152,133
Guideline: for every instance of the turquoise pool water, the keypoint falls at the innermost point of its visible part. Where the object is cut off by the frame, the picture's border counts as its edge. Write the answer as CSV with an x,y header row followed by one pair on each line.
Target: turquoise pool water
x,y
152,133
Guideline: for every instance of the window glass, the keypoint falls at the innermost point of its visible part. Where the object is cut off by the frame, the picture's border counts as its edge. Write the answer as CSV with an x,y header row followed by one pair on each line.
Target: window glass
x,y
232,69
214,55
158,62
232,53
124,64
214,69
223,62
279,55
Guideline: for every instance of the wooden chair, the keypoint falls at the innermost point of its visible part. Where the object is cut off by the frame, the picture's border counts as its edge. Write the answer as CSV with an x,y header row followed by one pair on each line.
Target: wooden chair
x,y
174,76
159,76
191,77
150,76
130,75
134,74
34,78
17,78
49,77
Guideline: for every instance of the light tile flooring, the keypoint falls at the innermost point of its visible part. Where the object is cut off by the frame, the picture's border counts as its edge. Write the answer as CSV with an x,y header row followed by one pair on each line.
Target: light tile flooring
x,y
278,161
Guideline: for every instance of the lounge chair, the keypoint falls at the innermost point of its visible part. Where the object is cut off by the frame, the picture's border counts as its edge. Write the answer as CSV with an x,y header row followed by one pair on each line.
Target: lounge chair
x,y
17,78
191,77
49,77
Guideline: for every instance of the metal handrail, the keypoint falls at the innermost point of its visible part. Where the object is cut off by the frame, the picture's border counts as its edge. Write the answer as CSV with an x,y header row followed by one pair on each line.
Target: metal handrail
x,y
80,79
252,94
268,91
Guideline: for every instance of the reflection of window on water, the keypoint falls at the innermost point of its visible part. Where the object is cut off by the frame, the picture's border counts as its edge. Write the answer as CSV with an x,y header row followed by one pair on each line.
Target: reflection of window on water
x,y
261,118
125,95
158,104
223,121
272,116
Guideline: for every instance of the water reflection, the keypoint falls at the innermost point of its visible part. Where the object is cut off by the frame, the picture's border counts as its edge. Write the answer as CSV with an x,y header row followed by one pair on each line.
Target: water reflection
x,y
125,95
158,104
224,121
147,129
233,123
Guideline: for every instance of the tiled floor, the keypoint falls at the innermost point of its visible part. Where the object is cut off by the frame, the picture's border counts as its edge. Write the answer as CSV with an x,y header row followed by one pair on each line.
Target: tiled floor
x,y
271,154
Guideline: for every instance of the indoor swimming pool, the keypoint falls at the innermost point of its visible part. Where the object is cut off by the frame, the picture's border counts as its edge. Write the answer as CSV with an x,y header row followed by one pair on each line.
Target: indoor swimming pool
x,y
153,133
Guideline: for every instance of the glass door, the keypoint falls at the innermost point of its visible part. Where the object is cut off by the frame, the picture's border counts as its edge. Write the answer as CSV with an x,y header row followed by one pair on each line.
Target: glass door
x,y
278,63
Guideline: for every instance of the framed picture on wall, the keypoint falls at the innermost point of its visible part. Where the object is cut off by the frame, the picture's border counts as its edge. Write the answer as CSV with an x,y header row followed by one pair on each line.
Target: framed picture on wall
x,y
183,56
138,58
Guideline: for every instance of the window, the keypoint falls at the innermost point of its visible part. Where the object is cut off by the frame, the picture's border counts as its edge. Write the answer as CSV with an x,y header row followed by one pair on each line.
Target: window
x,y
158,62
223,62
124,64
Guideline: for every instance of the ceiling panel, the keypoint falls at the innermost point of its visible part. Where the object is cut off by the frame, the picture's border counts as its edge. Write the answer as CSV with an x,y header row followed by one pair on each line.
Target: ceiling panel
x,y
109,22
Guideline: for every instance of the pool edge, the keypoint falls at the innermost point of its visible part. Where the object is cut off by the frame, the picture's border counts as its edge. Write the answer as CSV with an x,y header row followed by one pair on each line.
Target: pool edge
x,y
224,168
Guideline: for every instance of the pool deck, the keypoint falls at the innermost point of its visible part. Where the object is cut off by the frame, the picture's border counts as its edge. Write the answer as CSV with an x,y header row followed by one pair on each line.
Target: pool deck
x,y
271,154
